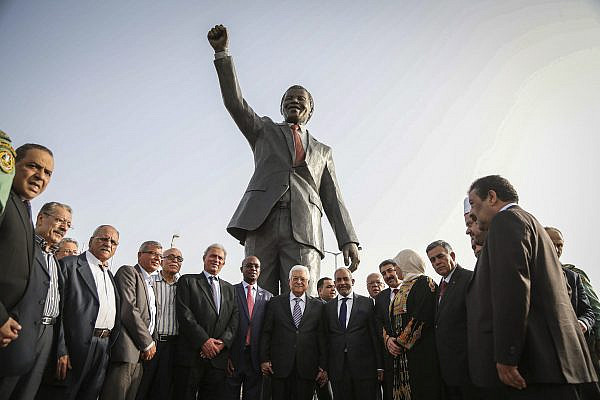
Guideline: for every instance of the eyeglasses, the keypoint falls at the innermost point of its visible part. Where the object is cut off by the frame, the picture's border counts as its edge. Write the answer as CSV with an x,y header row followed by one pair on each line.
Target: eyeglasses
x,y
107,240
153,254
173,257
60,220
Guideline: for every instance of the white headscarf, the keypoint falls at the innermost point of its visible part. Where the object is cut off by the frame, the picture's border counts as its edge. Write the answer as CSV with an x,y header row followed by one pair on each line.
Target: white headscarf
x,y
411,264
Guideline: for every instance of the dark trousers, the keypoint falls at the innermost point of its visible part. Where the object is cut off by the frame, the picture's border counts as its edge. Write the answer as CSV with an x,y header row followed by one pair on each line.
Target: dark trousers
x,y
274,245
348,388
545,391
201,380
244,376
86,383
292,387
324,392
464,392
157,379
25,387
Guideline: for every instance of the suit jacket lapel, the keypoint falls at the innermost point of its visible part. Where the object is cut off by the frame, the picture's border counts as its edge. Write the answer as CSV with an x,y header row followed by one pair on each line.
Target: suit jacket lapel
x,y
40,260
27,223
85,270
308,306
355,306
242,293
286,131
287,309
208,291
138,268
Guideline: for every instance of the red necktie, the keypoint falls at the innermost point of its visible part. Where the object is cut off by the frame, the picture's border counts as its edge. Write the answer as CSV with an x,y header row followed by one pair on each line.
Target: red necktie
x,y
250,302
297,145
443,286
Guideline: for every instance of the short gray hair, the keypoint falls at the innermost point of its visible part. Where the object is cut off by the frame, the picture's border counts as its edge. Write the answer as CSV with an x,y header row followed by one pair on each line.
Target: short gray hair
x,y
147,244
98,229
215,246
342,269
52,206
68,240
299,268
439,243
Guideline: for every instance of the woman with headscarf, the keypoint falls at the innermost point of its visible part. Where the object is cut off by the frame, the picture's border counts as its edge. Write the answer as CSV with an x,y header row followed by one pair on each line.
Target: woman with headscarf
x,y
412,312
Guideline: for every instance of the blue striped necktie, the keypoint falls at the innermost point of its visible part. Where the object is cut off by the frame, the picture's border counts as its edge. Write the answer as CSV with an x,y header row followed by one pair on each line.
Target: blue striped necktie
x,y
297,314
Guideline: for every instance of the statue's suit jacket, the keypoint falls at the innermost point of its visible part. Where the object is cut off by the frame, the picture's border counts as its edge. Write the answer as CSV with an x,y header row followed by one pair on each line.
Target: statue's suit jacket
x,y
288,347
79,310
134,315
313,185
451,328
23,288
360,340
518,309
258,315
198,319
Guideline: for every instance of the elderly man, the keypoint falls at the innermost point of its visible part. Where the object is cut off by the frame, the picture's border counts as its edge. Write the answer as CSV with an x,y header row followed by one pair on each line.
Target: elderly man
x,y
244,362
22,287
354,345
392,277
451,321
157,377
208,319
293,185
524,340
138,317
292,350
476,235
326,289
90,316
67,247
374,284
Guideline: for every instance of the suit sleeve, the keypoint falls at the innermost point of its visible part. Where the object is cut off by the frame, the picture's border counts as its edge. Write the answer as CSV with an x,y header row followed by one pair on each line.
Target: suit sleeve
x,y
584,311
189,327
245,118
509,244
131,315
234,320
376,337
61,348
321,339
335,209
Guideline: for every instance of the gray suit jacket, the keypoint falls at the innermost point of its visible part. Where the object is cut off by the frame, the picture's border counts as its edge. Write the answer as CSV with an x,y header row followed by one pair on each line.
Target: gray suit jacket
x,y
135,315
313,186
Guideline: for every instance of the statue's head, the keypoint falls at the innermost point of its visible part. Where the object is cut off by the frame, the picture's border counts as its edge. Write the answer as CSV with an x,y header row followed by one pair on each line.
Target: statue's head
x,y
297,105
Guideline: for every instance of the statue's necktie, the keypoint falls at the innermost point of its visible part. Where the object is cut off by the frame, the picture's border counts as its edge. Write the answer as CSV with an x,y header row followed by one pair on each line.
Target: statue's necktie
x,y
297,145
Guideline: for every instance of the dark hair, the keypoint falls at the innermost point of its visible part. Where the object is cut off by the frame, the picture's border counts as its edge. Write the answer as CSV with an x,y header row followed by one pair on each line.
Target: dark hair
x,y
310,99
321,282
386,262
503,188
22,150
440,243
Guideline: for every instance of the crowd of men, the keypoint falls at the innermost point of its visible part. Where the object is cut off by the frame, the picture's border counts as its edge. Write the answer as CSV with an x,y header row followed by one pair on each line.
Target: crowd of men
x,y
522,325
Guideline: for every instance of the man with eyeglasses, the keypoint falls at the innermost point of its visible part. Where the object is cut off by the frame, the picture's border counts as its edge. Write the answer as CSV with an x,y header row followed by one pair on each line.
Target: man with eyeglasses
x,y
21,285
89,317
67,247
138,317
157,376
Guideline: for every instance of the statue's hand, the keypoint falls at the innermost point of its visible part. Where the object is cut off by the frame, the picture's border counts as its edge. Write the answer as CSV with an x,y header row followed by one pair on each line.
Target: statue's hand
x,y
350,252
218,39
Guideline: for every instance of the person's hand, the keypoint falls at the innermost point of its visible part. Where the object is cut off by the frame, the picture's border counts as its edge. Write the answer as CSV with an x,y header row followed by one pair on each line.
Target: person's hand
x,y
266,368
350,252
393,347
509,375
582,326
321,377
211,348
218,38
230,368
9,331
380,375
148,354
62,366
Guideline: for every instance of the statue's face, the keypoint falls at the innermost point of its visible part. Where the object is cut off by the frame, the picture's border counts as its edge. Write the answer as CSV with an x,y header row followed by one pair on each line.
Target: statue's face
x,y
296,107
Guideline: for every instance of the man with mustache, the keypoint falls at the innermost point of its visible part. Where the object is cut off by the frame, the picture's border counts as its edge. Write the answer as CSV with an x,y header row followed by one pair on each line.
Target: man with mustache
x,y
22,288
293,184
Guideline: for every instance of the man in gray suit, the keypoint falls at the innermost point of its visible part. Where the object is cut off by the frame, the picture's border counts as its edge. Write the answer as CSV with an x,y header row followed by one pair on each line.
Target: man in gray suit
x,y
138,317
294,183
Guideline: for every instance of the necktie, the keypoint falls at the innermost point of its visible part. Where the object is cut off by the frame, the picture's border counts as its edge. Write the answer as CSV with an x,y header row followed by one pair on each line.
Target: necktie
x,y
443,286
297,314
343,313
215,293
250,302
395,292
28,207
297,145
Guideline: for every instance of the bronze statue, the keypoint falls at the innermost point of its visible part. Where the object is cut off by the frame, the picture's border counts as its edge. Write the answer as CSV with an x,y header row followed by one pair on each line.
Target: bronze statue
x,y
294,183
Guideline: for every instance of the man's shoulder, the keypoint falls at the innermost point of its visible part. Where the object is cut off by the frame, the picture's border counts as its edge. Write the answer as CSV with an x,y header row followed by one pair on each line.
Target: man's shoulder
x,y
462,273
267,295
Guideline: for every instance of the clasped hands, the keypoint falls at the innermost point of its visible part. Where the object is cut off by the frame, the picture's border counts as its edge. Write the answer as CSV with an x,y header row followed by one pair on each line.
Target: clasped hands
x,y
267,369
211,348
9,331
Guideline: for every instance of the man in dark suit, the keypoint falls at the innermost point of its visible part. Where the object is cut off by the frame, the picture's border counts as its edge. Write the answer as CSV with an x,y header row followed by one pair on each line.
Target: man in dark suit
x,y
22,288
208,319
294,181
524,340
389,271
292,345
90,322
354,346
244,362
451,321
138,319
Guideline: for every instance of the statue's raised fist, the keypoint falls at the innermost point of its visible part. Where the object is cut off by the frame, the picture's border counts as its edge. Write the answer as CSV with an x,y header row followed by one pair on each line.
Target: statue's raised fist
x,y
217,37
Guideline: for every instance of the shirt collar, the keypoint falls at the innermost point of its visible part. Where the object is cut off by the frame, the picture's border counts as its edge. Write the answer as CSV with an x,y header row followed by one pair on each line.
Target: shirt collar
x,y
207,275
159,277
293,296
91,259
349,297
302,127
506,207
145,273
246,284
447,278
43,244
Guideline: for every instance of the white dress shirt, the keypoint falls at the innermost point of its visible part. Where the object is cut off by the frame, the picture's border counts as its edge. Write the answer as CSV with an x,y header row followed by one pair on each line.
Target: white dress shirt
x,y
148,278
106,293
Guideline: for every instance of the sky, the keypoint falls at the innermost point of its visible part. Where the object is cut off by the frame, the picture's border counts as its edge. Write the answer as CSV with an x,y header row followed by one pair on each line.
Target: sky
x,y
416,98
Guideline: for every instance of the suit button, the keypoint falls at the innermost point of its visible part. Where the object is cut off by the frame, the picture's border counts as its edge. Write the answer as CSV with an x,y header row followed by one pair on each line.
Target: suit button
x,y
297,332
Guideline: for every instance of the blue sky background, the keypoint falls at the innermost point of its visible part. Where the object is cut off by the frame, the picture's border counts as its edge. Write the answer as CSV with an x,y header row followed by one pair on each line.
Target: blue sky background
x,y
417,99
